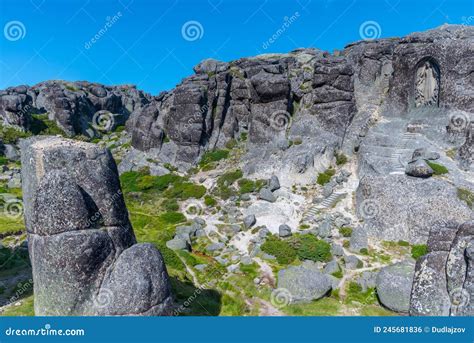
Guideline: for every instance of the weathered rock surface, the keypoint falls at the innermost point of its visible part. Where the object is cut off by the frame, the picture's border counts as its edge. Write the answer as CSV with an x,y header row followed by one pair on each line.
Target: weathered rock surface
x,y
305,282
83,250
394,284
443,279
73,105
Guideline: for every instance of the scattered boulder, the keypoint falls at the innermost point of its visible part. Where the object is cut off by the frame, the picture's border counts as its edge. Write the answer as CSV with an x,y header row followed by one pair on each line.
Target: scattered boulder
x,y
419,168
394,285
267,195
178,243
352,262
273,183
359,239
305,283
332,267
215,247
249,221
284,231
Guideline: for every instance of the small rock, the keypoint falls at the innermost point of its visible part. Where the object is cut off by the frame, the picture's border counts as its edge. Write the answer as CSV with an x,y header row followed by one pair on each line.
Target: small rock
x,y
245,197
267,195
266,256
249,221
215,246
233,268
367,280
201,222
284,230
352,262
337,250
246,260
256,280
419,168
200,267
274,183
325,229
358,239
221,260
327,191
200,233
331,267
263,232
178,244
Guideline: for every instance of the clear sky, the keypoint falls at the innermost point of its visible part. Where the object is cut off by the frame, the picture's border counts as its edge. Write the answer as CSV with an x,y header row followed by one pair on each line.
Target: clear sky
x,y
154,44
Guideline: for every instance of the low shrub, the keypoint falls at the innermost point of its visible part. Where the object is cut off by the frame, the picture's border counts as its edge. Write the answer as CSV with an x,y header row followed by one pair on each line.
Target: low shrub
x,y
209,201
345,231
308,247
341,159
246,186
282,250
325,177
213,156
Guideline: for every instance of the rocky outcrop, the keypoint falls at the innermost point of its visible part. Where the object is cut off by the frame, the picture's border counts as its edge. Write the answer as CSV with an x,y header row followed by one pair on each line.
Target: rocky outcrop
x,y
77,107
394,284
443,282
83,250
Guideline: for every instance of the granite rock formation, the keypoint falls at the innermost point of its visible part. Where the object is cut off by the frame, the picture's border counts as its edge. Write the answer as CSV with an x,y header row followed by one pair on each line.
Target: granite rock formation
x,y
443,281
83,250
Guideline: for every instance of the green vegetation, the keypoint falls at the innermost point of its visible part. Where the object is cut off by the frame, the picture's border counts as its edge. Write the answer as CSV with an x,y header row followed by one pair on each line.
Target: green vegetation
x,y
467,196
341,159
419,250
209,201
25,309
305,247
345,231
308,247
451,153
224,184
210,157
403,243
322,307
325,177
41,125
282,250
438,169
354,293
10,135
338,274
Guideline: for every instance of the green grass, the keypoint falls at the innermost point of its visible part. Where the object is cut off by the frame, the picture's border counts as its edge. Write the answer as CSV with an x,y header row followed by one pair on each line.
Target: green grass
x,y
213,156
345,231
25,309
467,196
321,307
324,178
438,169
354,293
11,225
419,250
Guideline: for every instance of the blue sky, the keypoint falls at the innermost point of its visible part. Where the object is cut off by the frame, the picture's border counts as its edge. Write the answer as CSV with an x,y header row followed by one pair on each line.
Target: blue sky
x,y
146,42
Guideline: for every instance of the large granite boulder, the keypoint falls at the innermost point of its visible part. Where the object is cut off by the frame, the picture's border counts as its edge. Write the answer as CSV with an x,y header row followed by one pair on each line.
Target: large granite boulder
x,y
83,250
443,282
305,282
394,284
